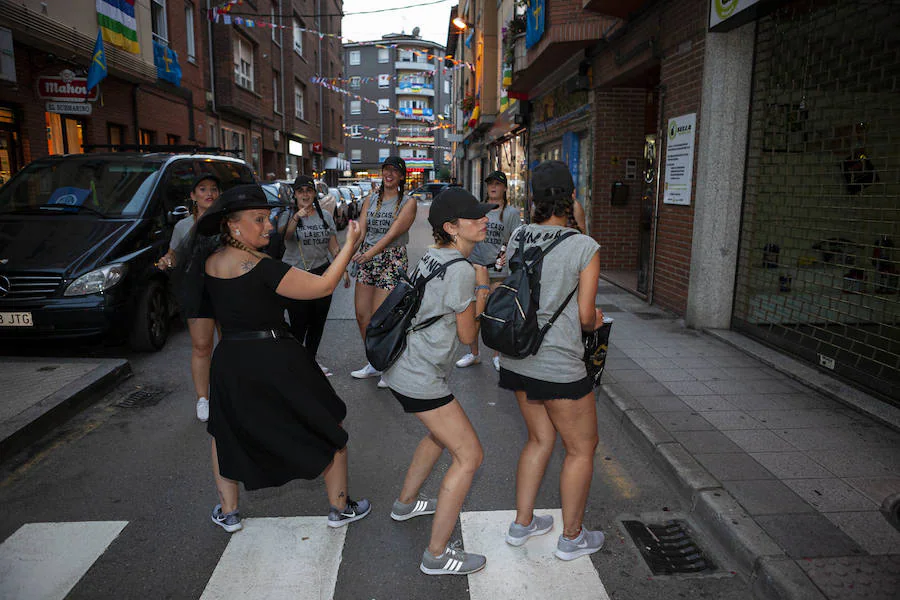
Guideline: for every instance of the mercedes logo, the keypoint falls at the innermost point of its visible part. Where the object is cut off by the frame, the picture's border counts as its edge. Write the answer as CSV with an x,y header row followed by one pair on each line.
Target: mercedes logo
x,y
5,286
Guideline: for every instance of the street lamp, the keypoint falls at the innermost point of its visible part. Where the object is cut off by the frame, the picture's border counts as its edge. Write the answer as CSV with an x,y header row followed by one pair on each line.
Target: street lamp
x,y
460,23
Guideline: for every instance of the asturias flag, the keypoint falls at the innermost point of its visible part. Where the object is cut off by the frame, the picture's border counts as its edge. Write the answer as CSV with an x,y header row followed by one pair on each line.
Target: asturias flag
x,y
167,67
98,63
534,22
117,22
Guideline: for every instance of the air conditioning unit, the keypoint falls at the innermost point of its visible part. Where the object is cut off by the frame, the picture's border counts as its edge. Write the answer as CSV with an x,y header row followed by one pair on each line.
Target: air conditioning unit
x,y
276,135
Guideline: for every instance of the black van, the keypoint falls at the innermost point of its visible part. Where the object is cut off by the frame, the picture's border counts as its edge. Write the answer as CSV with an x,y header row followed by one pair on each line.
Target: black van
x,y
79,236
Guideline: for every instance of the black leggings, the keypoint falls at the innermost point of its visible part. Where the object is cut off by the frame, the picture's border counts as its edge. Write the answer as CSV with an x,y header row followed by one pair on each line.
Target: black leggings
x,y
308,318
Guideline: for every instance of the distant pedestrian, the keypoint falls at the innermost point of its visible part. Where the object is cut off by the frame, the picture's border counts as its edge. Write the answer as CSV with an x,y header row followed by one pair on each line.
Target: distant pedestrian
x,y
385,218
310,241
492,251
275,416
200,322
551,387
418,379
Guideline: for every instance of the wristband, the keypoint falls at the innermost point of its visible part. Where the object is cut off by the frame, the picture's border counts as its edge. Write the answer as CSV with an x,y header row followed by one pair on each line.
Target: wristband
x,y
482,287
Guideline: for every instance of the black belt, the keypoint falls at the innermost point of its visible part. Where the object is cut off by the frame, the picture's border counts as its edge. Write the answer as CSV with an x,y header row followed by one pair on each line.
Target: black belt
x,y
263,334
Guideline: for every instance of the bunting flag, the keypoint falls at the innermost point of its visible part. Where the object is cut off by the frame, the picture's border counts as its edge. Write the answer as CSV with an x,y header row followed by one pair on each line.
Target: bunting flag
x,y
166,61
417,114
395,143
117,24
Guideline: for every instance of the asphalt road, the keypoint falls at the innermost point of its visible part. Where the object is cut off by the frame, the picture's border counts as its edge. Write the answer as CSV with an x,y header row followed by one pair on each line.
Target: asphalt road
x,y
150,467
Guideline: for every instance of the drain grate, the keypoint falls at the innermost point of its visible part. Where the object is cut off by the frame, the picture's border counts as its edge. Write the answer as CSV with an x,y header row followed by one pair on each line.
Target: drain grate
x,y
143,397
668,548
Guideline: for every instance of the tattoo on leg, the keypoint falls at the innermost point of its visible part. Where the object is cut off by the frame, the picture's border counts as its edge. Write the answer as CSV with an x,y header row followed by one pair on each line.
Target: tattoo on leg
x,y
341,495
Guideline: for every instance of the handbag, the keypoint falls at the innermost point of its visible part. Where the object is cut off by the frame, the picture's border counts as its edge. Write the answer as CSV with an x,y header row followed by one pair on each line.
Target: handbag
x,y
596,344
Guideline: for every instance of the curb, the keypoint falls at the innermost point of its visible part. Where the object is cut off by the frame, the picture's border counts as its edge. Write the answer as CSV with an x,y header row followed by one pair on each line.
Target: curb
x,y
770,573
34,422
811,377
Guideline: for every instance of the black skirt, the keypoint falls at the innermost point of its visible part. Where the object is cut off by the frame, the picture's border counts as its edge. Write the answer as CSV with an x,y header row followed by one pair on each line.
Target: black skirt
x,y
273,413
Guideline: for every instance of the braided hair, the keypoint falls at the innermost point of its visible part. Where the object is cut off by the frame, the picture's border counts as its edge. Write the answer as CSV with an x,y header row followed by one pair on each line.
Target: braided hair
x,y
400,189
554,206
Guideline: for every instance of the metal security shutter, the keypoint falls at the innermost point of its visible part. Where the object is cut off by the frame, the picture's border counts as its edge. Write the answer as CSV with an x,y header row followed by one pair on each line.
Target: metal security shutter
x,y
818,270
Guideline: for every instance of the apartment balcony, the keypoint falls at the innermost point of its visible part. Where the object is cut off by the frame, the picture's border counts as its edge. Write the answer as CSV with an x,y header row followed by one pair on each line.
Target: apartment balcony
x,y
520,54
409,65
415,90
418,114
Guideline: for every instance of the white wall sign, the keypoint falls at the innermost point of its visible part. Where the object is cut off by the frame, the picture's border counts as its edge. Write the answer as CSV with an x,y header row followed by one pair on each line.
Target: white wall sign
x,y
723,10
295,147
70,108
680,136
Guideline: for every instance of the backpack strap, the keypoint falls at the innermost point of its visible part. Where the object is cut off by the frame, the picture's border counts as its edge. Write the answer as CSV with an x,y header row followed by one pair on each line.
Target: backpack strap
x,y
420,283
565,303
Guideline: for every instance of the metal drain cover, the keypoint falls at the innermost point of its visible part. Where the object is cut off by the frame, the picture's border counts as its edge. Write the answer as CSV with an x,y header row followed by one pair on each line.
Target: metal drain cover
x,y
668,548
142,397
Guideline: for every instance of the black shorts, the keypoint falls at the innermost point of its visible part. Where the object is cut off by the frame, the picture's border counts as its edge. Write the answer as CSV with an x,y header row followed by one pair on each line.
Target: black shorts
x,y
537,389
416,405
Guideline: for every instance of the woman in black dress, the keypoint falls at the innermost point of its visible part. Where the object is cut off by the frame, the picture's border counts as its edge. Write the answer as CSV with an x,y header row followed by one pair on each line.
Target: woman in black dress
x,y
274,416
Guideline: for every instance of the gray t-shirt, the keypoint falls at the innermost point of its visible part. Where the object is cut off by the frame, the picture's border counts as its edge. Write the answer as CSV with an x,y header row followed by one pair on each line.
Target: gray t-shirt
x,y
379,221
499,228
423,368
181,231
308,248
560,357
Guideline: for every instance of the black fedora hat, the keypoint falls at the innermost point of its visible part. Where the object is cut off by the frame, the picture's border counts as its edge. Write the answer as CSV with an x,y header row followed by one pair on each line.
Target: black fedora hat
x,y
240,197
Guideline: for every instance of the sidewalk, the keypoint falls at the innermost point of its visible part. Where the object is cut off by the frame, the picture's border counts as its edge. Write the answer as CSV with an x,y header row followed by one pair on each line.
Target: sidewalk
x,y
40,393
787,478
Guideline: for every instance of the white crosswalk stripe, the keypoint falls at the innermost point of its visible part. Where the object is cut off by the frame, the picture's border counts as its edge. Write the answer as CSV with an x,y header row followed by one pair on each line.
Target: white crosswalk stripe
x,y
274,558
44,561
527,572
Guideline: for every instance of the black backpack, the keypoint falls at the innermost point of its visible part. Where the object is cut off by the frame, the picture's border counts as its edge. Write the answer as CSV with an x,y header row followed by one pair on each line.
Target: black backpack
x,y
509,321
392,322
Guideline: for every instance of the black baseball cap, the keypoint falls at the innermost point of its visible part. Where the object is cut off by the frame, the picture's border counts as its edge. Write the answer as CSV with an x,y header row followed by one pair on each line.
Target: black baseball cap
x,y
304,181
240,197
205,177
396,162
456,203
551,178
497,176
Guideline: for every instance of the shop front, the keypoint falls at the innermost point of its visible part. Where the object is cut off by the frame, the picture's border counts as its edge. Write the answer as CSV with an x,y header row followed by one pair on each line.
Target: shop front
x,y
507,144
819,271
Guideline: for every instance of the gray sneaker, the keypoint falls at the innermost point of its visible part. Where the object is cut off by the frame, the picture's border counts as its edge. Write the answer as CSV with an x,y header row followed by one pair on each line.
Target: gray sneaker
x,y
402,512
453,561
587,542
230,522
519,534
354,511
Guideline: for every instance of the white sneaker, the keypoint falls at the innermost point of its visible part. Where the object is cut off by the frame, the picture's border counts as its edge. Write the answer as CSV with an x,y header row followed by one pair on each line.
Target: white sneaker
x,y
468,360
382,384
496,362
325,369
203,409
366,371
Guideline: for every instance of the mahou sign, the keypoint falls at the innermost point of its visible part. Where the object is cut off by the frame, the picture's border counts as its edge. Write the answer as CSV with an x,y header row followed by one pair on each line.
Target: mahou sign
x,y
71,89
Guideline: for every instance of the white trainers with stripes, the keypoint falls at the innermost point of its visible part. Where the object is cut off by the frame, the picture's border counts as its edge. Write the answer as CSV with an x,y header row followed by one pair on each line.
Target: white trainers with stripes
x,y
453,561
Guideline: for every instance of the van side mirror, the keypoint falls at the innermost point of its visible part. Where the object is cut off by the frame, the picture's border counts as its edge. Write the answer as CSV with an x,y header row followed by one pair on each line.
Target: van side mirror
x,y
178,213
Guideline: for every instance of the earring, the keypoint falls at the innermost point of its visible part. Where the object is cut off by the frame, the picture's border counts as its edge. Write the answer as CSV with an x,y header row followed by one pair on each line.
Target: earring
x,y
237,232
453,237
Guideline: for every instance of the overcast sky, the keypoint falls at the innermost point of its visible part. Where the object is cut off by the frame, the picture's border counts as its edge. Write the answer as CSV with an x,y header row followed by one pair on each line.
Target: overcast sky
x,y
431,20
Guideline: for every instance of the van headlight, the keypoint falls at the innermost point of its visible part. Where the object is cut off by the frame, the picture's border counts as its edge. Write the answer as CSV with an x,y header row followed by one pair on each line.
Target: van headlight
x,y
97,281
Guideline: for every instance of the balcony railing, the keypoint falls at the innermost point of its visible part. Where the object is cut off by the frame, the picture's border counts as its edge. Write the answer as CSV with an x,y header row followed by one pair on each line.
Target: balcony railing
x,y
409,65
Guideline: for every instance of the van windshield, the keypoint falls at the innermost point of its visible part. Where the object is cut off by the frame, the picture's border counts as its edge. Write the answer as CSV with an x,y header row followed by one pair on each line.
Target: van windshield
x,y
106,186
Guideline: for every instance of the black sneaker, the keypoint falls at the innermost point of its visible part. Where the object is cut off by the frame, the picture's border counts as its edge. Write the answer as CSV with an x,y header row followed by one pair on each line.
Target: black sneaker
x,y
230,522
353,512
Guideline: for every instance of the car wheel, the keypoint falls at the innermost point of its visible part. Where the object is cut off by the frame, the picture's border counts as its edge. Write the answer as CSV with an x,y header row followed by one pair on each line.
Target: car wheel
x,y
150,329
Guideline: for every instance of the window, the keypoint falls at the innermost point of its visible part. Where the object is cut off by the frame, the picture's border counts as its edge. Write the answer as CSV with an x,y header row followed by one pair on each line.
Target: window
x,y
384,55
299,101
447,109
384,80
355,107
354,82
406,56
355,131
406,153
298,36
383,130
147,137
276,92
172,139
272,21
243,63
356,155
446,86
158,21
420,153
115,134
212,135
383,105
383,153
189,25
354,57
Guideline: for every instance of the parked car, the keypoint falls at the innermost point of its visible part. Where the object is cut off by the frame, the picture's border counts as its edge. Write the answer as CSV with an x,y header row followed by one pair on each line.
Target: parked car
x,y
365,185
79,239
347,207
280,196
428,191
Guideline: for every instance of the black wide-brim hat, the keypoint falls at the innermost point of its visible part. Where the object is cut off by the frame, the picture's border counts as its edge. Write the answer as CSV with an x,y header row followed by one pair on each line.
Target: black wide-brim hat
x,y
240,197
456,203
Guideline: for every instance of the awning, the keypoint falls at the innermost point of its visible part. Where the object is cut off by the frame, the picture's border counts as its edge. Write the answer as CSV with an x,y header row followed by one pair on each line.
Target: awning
x,y
334,163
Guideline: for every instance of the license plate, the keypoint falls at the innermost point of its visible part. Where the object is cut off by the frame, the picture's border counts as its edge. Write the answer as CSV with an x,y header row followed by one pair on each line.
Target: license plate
x,y
16,319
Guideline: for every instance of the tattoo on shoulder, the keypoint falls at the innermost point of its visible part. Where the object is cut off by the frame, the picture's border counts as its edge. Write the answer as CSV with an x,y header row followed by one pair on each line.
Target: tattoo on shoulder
x,y
247,265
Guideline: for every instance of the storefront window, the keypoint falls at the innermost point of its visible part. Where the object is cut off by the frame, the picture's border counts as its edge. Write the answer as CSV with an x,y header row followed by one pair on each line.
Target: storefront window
x,y
9,147
64,134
